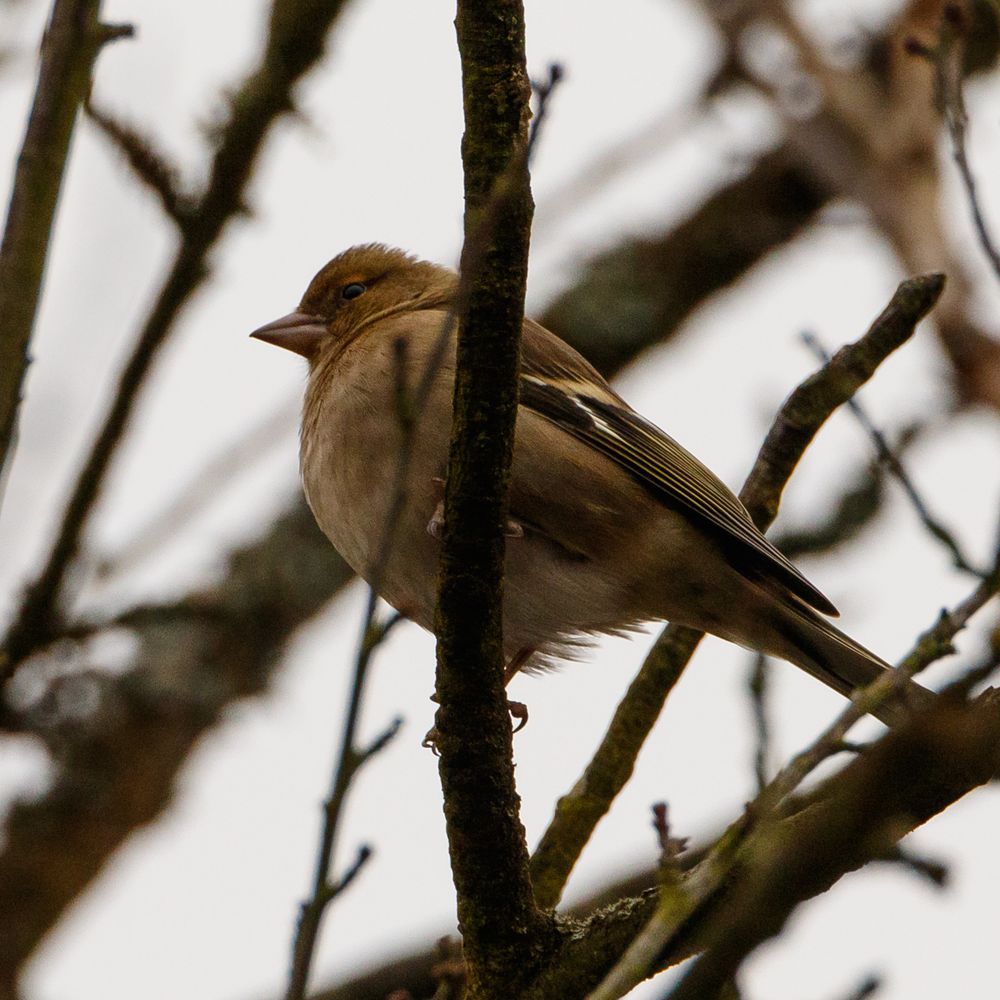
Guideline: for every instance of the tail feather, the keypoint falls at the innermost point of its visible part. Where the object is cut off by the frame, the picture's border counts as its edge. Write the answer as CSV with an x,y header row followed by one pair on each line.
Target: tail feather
x,y
834,658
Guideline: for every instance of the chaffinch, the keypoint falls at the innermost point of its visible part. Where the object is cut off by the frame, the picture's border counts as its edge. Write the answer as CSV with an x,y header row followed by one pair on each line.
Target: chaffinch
x,y
612,522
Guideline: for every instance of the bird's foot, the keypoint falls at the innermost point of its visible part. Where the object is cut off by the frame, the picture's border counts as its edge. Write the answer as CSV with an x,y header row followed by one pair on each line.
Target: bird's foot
x,y
518,714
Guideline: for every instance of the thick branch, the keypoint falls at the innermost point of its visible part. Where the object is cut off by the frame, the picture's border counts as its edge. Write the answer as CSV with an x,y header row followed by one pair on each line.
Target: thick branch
x,y
503,933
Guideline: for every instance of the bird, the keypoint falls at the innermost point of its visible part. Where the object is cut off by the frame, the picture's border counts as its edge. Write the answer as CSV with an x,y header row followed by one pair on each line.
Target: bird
x,y
612,523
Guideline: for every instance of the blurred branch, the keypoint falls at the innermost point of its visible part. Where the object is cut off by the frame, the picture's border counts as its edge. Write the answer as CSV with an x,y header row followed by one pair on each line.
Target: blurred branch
x,y
595,175
873,138
149,164
295,42
640,292
116,769
504,935
948,57
868,987
851,511
73,38
757,688
796,424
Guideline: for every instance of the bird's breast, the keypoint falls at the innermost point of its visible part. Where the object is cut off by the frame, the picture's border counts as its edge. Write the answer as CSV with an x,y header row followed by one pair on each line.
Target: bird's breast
x,y
352,457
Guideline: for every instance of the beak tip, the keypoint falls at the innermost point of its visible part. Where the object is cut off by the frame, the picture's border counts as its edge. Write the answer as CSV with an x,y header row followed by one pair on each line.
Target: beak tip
x,y
297,332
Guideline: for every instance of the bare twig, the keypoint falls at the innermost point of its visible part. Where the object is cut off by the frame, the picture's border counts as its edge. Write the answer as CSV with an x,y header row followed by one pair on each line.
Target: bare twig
x,y
933,871
863,812
760,815
295,43
73,38
932,645
349,761
868,987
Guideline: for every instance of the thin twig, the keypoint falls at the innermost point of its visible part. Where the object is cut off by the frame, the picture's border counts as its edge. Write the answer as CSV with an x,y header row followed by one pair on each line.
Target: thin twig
x,y
761,815
894,464
948,57
860,814
867,988
932,645
931,870
349,761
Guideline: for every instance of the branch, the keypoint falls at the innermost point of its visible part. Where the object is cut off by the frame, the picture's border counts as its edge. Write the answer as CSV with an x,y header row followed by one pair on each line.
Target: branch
x,y
149,163
871,804
504,934
800,418
749,836
639,293
949,68
349,761
72,40
296,38
117,769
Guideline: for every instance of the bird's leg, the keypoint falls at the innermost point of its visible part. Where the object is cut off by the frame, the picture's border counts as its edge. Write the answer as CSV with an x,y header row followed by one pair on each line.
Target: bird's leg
x,y
518,710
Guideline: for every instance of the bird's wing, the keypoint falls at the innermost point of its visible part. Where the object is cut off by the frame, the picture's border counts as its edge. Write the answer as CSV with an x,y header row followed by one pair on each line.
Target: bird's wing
x,y
558,384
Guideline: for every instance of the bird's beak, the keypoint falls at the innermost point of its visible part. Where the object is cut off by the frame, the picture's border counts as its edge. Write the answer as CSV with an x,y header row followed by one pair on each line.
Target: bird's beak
x,y
298,332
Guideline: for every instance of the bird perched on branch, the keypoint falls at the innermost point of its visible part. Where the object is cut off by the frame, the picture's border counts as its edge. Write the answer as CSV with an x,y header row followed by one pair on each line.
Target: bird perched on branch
x,y
611,522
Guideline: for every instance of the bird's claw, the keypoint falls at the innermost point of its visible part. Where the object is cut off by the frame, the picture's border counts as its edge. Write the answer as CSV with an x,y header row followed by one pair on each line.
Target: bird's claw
x,y
519,711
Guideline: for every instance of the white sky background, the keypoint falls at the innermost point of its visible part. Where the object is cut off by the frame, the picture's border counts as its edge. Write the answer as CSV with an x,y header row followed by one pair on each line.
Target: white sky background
x,y
202,904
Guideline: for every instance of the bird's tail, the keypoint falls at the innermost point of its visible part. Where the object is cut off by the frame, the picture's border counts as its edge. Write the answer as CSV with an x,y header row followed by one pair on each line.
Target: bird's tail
x,y
819,648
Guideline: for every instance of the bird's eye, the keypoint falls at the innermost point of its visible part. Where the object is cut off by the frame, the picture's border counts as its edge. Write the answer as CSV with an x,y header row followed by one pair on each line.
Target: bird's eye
x,y
353,290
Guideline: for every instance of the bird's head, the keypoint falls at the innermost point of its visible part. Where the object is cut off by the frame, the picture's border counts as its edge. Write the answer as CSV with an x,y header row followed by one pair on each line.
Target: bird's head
x,y
357,288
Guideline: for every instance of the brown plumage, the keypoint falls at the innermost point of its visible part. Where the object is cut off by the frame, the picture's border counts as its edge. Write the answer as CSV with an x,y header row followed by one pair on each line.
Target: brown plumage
x,y
612,522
